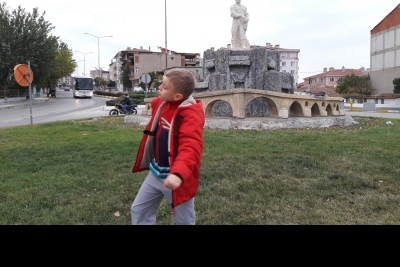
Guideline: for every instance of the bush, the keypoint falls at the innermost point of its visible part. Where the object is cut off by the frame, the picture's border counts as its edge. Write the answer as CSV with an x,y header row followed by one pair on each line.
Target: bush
x,y
114,94
136,98
396,83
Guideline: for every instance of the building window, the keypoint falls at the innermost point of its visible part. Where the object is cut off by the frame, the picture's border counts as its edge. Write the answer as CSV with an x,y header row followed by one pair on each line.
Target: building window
x,y
293,64
331,79
283,54
283,64
293,55
172,58
284,71
136,59
136,70
293,72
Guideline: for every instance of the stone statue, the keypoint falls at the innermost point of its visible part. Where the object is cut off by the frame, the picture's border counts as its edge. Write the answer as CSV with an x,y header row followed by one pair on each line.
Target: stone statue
x,y
239,26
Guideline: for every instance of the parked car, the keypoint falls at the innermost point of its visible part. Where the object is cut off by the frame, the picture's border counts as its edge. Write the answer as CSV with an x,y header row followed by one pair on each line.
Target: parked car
x,y
138,89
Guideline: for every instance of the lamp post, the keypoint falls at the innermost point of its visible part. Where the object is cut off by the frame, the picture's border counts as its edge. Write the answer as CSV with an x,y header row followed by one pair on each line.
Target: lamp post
x,y
98,49
77,67
84,61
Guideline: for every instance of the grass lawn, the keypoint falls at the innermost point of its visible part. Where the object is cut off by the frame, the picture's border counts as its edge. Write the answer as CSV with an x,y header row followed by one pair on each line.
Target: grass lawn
x,y
79,173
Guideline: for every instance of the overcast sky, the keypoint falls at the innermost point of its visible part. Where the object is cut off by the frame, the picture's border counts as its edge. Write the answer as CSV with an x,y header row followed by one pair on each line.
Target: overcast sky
x,y
328,33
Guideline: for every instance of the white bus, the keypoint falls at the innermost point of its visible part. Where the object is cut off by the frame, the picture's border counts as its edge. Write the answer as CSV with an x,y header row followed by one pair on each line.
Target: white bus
x,y
83,87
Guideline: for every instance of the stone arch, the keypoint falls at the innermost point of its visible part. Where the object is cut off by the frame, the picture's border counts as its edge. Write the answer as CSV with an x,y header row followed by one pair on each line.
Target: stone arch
x,y
261,107
337,108
315,112
296,110
218,108
329,111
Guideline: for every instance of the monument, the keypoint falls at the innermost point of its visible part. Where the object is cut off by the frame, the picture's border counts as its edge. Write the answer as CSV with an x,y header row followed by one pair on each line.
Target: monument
x,y
242,66
240,20
240,81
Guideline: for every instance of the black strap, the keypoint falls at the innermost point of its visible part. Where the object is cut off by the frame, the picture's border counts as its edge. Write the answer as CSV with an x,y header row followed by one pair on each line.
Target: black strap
x,y
150,133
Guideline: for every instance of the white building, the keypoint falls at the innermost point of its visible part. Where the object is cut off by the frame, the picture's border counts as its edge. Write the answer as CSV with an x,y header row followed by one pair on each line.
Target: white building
x,y
67,80
385,53
289,61
115,71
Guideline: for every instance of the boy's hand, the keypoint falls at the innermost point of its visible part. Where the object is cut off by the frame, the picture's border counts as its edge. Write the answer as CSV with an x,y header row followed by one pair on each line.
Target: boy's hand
x,y
172,182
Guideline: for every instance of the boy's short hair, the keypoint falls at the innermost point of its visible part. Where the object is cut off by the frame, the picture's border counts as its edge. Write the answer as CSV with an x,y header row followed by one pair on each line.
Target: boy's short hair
x,y
183,80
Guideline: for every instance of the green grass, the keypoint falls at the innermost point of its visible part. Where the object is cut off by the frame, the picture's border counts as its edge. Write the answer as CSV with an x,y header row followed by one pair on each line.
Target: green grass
x,y
79,173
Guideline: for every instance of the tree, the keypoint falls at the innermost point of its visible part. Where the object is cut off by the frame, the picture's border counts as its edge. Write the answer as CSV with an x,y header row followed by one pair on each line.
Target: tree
x,y
156,80
63,65
353,86
396,83
111,84
27,37
124,78
100,82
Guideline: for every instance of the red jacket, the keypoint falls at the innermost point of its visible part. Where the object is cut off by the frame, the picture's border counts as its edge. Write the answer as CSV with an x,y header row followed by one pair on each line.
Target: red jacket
x,y
185,146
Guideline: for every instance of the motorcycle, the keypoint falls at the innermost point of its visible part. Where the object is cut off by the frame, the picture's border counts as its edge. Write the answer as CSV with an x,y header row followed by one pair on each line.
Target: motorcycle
x,y
119,110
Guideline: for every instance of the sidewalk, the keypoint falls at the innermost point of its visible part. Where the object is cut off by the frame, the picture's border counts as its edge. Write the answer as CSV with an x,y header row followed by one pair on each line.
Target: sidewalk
x,y
22,103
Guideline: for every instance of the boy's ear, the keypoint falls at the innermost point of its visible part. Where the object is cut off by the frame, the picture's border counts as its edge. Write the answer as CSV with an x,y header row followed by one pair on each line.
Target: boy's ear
x,y
178,97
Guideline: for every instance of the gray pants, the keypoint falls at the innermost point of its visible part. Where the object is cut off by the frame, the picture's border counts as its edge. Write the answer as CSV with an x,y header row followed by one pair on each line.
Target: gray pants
x,y
145,206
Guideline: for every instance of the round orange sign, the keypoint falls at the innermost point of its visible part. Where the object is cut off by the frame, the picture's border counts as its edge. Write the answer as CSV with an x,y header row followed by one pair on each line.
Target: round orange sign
x,y
23,75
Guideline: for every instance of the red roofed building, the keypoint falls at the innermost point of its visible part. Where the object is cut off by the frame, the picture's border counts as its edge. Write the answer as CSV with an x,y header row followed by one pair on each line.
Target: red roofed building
x,y
316,90
329,78
385,53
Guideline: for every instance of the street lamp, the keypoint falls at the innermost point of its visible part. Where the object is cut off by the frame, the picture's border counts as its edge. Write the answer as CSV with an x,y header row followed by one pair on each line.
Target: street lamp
x,y
84,61
77,67
98,49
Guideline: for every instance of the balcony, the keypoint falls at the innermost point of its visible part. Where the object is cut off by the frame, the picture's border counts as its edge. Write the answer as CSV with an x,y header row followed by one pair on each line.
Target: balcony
x,y
191,62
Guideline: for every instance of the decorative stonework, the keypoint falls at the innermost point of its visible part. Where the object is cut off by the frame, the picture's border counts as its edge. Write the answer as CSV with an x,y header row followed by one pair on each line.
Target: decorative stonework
x,y
256,68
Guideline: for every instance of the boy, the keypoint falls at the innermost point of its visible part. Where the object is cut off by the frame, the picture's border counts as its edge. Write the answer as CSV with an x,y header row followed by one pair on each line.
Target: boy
x,y
171,149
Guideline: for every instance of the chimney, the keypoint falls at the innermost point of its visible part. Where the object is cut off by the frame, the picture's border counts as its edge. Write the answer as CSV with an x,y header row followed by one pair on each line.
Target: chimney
x,y
343,69
141,47
325,70
331,69
268,46
128,48
277,46
228,46
149,48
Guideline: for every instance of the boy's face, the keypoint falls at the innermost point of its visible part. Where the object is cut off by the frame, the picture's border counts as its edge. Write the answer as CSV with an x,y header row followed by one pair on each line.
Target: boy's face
x,y
166,91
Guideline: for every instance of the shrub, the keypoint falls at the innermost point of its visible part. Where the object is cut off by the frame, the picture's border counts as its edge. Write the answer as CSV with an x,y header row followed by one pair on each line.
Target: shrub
x,y
396,83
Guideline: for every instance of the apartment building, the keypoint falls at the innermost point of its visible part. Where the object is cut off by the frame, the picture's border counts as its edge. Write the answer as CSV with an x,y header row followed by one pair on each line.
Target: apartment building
x,y
289,60
67,80
142,61
115,69
332,76
103,73
385,53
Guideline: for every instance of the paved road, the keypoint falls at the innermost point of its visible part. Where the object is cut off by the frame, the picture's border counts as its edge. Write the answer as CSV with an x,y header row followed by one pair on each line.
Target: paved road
x,y
375,114
63,107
